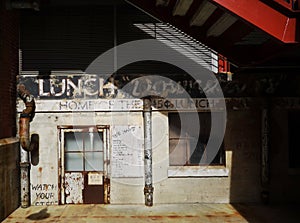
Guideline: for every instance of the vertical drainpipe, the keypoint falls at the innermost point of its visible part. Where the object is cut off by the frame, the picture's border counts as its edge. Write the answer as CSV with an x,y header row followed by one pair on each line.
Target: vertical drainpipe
x,y
148,189
25,142
265,142
25,178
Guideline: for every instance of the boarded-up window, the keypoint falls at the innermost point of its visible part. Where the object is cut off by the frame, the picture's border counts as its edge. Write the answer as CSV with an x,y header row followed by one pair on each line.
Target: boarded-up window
x,y
188,137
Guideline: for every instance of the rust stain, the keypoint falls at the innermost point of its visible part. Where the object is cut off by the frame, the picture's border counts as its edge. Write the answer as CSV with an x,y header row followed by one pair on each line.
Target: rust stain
x,y
24,175
167,216
181,216
236,213
102,217
222,214
40,169
136,217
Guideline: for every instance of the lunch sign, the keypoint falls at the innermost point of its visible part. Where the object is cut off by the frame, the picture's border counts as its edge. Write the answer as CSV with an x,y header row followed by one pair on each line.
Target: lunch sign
x,y
94,93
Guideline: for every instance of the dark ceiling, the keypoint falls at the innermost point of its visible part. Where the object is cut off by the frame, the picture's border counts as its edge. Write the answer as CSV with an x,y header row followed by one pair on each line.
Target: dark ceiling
x,y
252,34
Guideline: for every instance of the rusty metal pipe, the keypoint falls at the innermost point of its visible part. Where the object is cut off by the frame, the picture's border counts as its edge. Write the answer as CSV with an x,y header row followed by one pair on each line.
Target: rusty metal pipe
x,y
148,189
26,117
24,128
25,142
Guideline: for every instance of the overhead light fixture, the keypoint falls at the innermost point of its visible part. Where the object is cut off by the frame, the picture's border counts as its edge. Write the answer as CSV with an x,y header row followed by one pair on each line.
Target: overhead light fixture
x,y
205,10
181,7
221,25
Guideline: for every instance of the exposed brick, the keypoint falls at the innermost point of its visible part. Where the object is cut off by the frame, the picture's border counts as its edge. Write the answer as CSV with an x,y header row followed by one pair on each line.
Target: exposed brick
x,y
9,68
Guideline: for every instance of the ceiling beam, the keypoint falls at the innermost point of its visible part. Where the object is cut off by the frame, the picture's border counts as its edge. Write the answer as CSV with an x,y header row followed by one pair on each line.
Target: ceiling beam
x,y
205,10
181,7
162,2
221,25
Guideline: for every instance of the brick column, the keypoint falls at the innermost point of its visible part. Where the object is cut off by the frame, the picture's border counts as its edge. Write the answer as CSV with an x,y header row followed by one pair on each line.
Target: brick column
x,y
9,68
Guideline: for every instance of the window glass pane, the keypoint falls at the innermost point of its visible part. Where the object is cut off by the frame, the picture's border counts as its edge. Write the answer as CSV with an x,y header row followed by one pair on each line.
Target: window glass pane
x,y
178,152
73,141
94,161
197,151
174,125
98,141
93,141
190,148
73,162
194,124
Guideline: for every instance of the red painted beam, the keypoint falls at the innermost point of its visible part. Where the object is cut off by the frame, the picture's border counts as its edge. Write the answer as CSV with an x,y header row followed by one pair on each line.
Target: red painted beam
x,y
264,17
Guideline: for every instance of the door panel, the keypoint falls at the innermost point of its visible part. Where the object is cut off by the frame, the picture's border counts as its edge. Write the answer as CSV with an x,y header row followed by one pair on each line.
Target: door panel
x,y
84,175
93,192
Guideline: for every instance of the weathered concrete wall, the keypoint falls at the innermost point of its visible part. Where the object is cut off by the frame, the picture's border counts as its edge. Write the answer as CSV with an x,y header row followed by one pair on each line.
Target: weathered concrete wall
x,y
241,184
243,139
9,175
44,176
284,181
174,189
239,180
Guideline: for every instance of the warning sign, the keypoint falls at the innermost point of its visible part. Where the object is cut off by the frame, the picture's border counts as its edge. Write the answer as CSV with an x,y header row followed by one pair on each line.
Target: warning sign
x,y
95,179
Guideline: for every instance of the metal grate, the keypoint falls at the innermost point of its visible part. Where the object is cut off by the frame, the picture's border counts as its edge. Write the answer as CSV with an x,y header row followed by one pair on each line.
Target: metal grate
x,y
185,44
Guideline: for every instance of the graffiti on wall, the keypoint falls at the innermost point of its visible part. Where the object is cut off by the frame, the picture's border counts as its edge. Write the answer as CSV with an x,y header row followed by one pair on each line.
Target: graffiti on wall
x,y
44,194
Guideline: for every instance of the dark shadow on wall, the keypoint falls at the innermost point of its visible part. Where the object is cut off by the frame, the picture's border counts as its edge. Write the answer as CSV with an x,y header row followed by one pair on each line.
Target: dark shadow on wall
x,y
35,153
242,139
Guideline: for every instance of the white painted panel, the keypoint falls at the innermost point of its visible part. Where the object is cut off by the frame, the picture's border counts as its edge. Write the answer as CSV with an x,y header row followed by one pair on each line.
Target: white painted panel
x,y
95,178
74,184
81,105
127,151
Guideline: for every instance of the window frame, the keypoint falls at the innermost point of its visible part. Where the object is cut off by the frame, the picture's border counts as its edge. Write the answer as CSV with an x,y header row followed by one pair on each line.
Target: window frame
x,y
82,129
194,170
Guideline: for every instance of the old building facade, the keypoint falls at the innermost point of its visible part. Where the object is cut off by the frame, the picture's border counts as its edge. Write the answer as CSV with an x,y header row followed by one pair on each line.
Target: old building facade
x,y
212,133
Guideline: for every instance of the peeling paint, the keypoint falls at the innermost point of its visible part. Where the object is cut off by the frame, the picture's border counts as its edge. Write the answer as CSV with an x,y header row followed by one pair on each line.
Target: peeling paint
x,y
74,184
